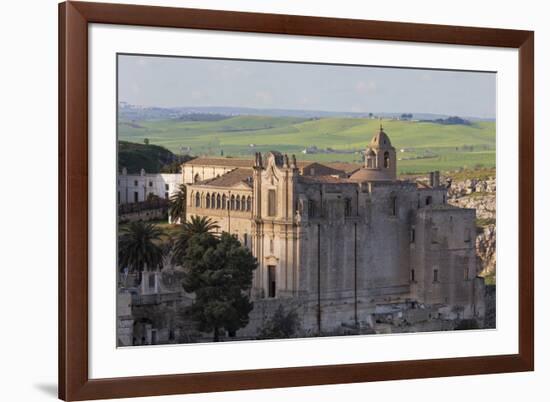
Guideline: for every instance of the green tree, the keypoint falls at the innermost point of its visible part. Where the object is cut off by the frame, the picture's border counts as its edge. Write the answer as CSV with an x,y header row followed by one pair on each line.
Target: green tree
x,y
177,204
139,247
281,325
219,273
146,141
151,197
195,225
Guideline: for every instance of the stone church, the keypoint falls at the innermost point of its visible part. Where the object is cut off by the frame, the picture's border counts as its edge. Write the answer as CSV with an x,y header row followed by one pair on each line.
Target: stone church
x,y
344,244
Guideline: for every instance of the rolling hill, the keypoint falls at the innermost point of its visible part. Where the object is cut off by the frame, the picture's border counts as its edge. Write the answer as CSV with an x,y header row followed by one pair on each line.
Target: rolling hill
x,y
422,146
135,157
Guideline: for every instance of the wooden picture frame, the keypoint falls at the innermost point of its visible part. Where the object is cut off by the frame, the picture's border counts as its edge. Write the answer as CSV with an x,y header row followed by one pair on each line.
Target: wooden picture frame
x,y
74,381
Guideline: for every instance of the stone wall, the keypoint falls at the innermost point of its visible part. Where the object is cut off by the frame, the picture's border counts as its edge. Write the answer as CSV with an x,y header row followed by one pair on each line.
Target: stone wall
x,y
145,215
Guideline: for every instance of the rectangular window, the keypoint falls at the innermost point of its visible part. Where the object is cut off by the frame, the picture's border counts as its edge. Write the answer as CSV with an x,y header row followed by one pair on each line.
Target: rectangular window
x,y
394,206
151,281
436,275
271,203
347,207
271,247
245,239
465,273
135,183
150,184
271,279
311,208
413,235
412,275
136,196
166,195
167,187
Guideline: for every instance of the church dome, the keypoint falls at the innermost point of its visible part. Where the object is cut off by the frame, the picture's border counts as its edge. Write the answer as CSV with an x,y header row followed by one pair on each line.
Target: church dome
x,y
380,140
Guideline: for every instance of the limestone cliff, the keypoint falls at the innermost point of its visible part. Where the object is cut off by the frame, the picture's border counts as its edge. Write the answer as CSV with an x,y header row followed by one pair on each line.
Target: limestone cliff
x,y
480,195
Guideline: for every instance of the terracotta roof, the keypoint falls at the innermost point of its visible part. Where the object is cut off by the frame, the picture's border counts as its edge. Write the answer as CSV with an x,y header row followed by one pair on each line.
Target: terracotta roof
x,y
324,179
322,169
231,179
345,167
233,162
230,162
319,169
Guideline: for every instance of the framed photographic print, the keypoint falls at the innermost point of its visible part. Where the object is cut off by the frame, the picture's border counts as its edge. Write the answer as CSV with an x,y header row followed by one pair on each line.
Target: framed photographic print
x,y
259,200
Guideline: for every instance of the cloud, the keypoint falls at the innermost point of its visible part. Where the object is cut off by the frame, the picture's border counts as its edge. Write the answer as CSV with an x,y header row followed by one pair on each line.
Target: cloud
x,y
363,87
263,97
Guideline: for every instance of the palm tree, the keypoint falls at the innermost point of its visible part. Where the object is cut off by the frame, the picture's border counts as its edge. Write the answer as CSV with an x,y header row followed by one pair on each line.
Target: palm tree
x,y
195,225
138,247
177,205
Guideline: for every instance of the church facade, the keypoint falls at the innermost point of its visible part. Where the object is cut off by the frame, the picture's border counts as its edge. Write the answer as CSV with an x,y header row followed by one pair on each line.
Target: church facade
x,y
345,244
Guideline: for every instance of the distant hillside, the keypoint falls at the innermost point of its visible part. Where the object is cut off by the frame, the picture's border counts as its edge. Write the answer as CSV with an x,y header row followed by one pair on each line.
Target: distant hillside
x,y
450,121
202,117
421,146
134,157
129,112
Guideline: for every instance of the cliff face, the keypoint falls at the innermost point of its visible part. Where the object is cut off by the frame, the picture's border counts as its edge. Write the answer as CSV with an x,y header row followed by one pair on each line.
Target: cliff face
x,y
486,251
480,195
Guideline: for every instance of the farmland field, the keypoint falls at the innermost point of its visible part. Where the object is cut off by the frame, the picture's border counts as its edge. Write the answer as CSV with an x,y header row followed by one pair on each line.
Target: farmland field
x,y
421,146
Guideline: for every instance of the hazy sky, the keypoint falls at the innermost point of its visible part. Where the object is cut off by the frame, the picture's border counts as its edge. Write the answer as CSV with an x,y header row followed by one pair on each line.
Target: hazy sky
x,y
172,82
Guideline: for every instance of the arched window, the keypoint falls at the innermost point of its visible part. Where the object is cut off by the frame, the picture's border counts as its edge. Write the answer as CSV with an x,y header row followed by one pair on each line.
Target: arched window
x,y
224,202
218,201
369,162
208,200
238,204
197,200
386,159
197,178
249,203
232,204
243,203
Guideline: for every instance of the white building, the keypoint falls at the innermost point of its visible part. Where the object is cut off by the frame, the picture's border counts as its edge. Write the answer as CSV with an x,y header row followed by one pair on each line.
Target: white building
x,y
132,188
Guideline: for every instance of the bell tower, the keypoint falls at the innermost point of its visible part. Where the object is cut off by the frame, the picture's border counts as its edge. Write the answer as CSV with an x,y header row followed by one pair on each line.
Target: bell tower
x,y
380,160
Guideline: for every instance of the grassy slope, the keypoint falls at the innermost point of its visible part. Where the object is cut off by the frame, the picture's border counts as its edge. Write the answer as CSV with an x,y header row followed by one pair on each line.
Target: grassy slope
x,y
291,135
135,156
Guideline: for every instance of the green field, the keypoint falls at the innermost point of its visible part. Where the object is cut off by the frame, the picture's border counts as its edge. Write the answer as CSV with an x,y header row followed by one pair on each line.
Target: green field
x,y
427,146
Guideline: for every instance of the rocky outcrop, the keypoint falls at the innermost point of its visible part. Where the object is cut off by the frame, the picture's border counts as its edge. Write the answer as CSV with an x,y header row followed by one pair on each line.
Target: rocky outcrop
x,y
481,196
457,189
483,203
486,250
